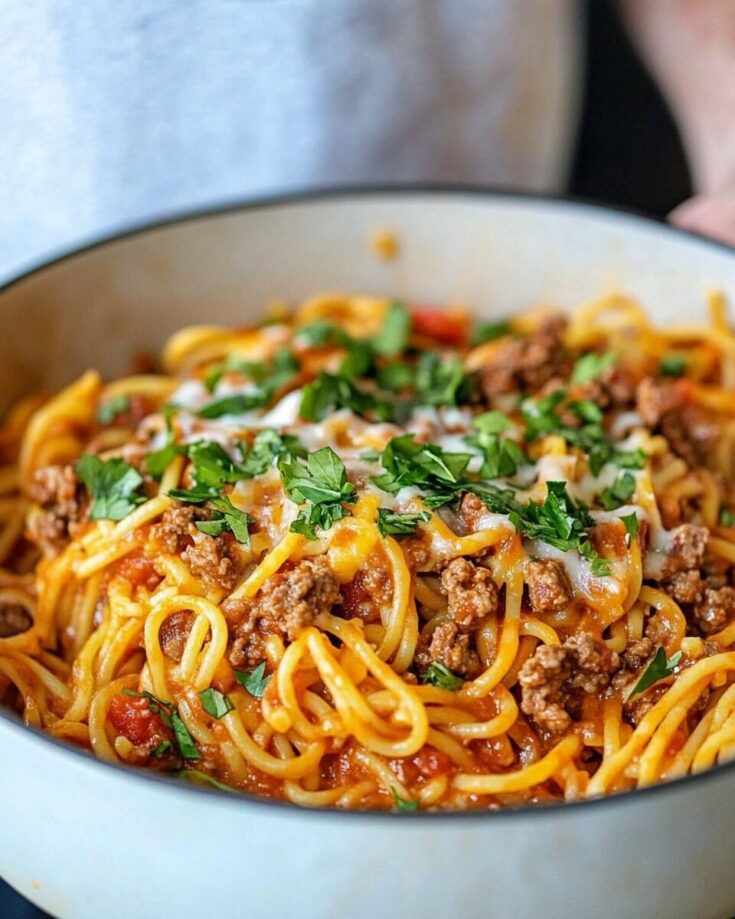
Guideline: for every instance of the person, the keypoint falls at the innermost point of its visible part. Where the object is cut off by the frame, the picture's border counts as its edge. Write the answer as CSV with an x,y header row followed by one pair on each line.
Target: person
x,y
114,113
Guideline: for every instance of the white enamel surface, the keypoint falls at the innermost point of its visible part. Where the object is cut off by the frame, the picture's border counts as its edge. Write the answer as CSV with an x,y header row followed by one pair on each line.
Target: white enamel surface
x,y
87,841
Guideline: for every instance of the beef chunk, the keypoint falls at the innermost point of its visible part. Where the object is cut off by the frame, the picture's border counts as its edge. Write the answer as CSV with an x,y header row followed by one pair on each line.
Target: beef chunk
x,y
527,364
715,610
174,633
553,679
287,603
471,592
685,586
214,560
687,549
549,590
63,506
449,646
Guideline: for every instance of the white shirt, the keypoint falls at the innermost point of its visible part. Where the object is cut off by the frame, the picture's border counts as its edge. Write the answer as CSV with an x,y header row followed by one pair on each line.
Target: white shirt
x,y
117,111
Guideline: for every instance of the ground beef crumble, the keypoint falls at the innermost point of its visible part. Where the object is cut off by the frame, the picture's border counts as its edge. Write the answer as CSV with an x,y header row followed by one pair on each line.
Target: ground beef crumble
x,y
287,603
548,585
528,363
554,677
470,590
62,507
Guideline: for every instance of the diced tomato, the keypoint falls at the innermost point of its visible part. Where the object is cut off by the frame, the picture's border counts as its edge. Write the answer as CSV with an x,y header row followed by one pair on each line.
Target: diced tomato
x,y
448,328
131,717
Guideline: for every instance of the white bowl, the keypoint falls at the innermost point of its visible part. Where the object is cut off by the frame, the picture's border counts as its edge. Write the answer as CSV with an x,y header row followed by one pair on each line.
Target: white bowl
x,y
87,840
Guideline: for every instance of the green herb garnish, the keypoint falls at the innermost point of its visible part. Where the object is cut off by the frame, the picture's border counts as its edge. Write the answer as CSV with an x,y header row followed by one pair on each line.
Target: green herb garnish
x,y
404,805
183,738
254,681
391,523
113,485
437,674
658,669
108,411
196,776
489,331
672,365
619,493
320,481
727,517
590,366
215,703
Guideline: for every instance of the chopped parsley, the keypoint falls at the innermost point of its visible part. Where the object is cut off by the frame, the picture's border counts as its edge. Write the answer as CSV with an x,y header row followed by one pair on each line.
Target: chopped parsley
x,y
541,418
632,525
184,739
108,411
619,493
658,669
391,523
392,338
425,466
237,404
440,382
404,805
113,485
198,777
501,457
254,681
163,747
215,703
591,366
330,391
727,517
321,483
270,376
437,674
489,331
672,365
226,518
171,719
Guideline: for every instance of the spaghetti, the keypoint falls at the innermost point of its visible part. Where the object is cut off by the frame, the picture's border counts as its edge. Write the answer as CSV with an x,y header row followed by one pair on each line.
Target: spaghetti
x,y
370,555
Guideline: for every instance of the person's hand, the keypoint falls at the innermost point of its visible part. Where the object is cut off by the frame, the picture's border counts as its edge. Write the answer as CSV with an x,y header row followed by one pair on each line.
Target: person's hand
x,y
711,214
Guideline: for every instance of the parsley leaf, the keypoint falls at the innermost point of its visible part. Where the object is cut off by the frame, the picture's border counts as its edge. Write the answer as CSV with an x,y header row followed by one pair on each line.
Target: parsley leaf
x,y
404,805
440,382
437,674
502,457
236,404
631,523
329,392
226,517
113,485
315,517
215,703
271,376
321,481
321,332
392,338
540,415
727,517
108,411
197,777
590,366
396,377
618,493
163,747
391,523
183,738
672,365
489,331
426,466
658,669
254,682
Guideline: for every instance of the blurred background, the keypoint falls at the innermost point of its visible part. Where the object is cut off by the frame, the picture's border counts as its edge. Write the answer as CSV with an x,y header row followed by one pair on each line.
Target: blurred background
x,y
628,154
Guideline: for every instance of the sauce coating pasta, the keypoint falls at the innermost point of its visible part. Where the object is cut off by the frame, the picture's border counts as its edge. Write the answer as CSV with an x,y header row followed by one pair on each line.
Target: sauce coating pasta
x,y
372,554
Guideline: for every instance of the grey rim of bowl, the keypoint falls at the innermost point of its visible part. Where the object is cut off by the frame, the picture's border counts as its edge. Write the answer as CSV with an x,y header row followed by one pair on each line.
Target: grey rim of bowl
x,y
320,195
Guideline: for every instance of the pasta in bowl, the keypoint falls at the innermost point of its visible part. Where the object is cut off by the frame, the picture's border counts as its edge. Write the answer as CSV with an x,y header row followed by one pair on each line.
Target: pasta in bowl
x,y
375,555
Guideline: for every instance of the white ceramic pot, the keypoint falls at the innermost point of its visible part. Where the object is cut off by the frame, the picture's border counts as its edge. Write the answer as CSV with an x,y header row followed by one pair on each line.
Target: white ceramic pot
x,y
87,840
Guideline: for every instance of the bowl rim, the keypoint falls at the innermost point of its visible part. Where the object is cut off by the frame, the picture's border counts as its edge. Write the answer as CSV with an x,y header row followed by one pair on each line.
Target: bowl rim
x,y
321,195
